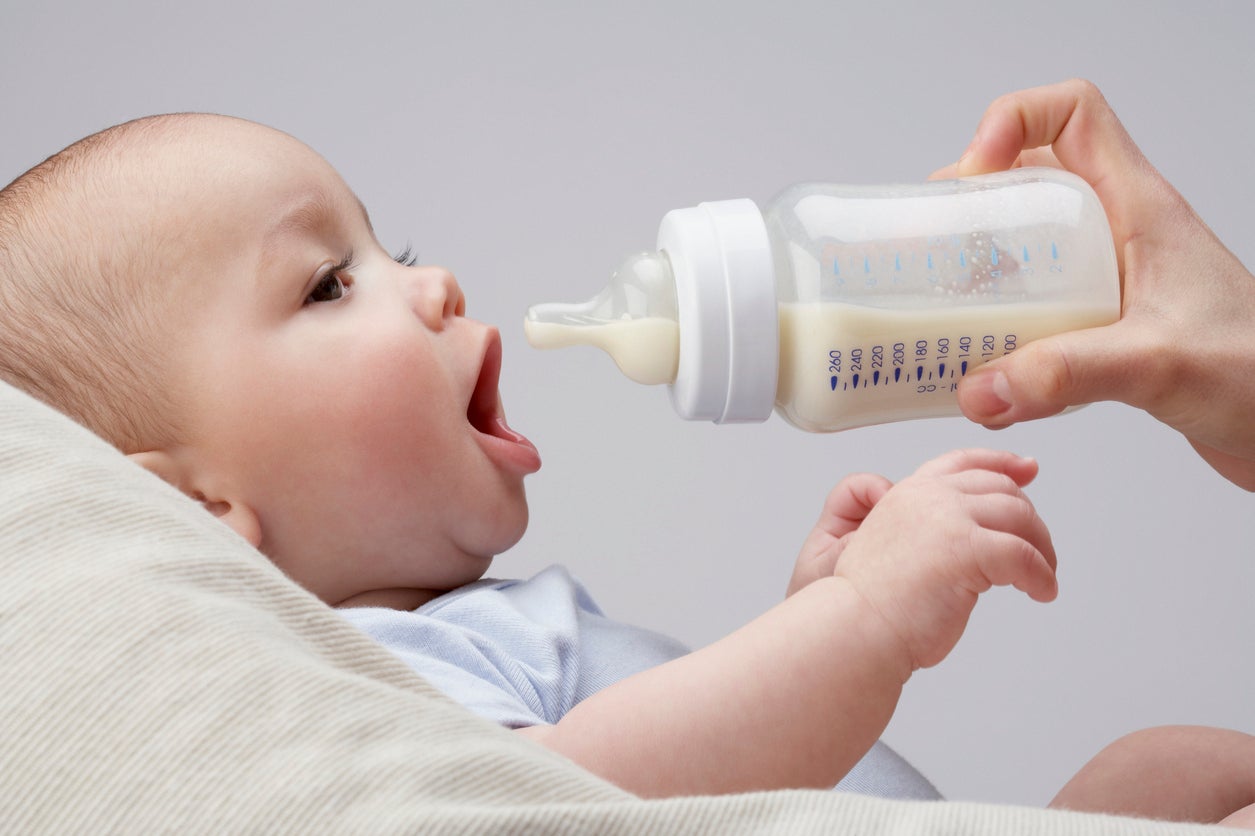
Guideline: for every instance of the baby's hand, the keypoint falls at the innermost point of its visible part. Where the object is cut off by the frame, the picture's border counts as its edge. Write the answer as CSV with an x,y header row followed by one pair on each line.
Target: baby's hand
x,y
847,505
921,551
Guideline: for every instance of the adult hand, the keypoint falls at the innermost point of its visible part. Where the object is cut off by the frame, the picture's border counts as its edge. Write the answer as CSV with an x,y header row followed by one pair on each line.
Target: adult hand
x,y
1184,348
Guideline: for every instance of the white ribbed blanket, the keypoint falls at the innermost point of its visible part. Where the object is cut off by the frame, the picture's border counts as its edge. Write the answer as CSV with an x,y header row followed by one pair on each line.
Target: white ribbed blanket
x,y
158,675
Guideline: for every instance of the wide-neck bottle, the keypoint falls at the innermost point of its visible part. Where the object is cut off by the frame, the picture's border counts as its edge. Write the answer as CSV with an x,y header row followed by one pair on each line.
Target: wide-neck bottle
x,y
842,306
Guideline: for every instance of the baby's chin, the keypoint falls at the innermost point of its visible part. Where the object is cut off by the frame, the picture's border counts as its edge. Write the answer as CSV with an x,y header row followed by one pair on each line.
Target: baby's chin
x,y
507,529
460,562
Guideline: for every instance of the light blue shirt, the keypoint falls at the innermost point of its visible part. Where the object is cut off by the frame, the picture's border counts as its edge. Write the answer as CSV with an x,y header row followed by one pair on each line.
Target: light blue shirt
x,y
523,653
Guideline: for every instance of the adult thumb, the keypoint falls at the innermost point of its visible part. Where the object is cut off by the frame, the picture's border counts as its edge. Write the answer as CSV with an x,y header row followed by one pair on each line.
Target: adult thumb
x,y
1046,376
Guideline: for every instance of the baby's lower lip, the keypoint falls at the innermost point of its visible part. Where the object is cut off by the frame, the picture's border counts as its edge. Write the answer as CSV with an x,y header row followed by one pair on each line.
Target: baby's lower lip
x,y
511,449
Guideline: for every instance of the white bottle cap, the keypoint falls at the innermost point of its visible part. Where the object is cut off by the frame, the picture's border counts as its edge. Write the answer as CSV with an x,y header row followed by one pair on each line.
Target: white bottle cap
x,y
729,327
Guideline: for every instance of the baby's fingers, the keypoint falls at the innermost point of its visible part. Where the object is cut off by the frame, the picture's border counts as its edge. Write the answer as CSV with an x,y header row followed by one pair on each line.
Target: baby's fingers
x,y
849,503
1016,516
1009,560
1020,469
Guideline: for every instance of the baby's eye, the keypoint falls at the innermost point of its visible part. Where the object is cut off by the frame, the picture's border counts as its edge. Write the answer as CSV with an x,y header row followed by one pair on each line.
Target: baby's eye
x,y
335,283
328,290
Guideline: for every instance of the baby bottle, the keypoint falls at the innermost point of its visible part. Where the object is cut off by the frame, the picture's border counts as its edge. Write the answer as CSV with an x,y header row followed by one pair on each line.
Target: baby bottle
x,y
843,306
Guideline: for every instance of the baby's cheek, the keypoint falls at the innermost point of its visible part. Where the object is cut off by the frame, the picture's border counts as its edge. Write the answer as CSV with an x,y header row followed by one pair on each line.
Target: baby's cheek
x,y
397,407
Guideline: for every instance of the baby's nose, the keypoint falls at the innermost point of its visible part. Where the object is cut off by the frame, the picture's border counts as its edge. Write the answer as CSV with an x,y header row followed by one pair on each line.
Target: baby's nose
x,y
435,296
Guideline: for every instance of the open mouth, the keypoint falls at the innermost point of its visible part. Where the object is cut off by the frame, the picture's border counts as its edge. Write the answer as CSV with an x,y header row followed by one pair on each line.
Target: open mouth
x,y
484,412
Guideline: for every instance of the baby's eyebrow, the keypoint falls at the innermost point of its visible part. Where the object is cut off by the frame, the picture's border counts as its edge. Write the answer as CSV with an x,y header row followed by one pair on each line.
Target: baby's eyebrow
x,y
365,214
314,211
308,215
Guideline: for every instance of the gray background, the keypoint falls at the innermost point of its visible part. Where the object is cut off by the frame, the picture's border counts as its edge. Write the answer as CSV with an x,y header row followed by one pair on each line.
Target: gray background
x,y
530,146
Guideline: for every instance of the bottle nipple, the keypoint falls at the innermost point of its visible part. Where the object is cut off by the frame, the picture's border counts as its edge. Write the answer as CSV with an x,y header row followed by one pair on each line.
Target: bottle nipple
x,y
634,319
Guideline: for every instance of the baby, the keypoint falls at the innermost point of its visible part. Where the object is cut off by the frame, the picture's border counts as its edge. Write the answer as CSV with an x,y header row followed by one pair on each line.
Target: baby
x,y
208,295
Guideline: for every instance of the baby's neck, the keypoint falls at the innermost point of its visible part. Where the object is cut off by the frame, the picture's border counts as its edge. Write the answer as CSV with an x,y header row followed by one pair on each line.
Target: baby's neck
x,y
393,599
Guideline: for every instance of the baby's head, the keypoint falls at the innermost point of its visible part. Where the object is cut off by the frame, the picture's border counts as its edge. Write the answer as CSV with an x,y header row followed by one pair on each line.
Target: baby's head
x,y
207,294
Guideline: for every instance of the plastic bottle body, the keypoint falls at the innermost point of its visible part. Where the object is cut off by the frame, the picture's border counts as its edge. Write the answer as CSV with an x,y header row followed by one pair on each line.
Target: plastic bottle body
x,y
843,306
888,296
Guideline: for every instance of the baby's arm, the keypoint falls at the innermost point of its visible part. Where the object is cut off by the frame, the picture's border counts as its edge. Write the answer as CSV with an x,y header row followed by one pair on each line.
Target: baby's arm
x,y
797,696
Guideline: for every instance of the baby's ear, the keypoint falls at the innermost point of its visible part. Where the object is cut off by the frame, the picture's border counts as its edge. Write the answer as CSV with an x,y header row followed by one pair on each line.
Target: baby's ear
x,y
231,510
162,465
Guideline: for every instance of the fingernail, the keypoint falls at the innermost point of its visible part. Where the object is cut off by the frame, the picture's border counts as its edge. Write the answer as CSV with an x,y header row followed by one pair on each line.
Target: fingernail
x,y
1001,389
991,396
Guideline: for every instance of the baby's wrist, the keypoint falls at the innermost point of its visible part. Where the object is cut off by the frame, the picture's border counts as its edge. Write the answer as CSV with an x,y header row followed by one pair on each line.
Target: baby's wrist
x,y
884,644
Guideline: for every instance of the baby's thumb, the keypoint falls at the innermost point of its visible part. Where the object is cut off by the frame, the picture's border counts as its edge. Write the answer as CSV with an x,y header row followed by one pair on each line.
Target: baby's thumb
x,y
1045,377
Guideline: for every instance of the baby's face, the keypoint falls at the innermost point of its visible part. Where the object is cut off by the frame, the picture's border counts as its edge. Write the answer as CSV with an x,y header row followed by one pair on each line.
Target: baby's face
x,y
340,396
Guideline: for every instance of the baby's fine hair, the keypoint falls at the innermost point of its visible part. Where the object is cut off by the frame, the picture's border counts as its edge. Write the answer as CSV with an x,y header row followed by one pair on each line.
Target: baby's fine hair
x,y
80,312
